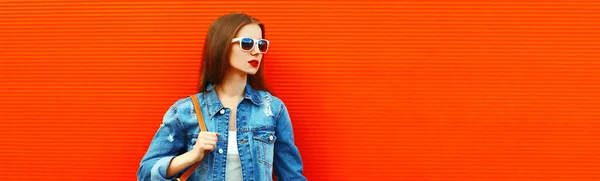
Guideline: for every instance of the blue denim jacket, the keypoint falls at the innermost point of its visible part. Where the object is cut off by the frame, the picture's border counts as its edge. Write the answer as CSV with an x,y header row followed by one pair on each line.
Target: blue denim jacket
x,y
265,139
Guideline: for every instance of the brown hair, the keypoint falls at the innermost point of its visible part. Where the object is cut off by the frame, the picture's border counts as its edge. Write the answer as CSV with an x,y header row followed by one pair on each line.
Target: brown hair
x,y
217,47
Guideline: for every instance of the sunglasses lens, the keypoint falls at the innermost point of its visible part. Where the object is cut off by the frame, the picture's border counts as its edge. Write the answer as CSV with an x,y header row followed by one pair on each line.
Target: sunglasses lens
x,y
247,43
263,45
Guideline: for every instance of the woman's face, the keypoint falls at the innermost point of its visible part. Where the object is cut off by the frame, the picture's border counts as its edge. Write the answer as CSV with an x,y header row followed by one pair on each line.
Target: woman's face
x,y
246,61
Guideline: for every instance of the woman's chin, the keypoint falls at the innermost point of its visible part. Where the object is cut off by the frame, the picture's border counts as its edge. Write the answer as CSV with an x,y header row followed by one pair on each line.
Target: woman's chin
x,y
252,71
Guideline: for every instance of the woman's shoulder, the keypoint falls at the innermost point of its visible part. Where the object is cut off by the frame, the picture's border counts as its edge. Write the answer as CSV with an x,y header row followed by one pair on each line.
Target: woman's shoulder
x,y
265,97
184,103
271,101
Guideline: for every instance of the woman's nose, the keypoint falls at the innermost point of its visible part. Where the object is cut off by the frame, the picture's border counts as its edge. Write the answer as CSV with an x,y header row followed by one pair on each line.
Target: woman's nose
x,y
255,51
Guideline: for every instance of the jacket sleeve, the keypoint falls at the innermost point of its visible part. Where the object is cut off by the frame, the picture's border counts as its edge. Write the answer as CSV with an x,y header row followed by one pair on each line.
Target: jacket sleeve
x,y
287,160
168,142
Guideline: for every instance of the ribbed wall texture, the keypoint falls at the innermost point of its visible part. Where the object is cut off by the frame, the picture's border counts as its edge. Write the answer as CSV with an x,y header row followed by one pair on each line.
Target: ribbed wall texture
x,y
376,90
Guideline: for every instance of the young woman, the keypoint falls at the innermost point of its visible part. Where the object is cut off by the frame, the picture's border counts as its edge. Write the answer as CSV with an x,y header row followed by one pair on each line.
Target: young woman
x,y
249,130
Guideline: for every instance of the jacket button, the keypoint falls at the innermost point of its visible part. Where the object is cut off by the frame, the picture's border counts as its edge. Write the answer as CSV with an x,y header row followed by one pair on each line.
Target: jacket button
x,y
222,111
271,137
220,151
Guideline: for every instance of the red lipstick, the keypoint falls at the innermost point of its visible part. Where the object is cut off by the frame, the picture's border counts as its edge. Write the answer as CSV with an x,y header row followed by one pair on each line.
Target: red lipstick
x,y
254,63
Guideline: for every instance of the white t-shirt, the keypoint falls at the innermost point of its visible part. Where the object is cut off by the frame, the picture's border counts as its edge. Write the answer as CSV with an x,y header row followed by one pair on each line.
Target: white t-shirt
x,y
233,166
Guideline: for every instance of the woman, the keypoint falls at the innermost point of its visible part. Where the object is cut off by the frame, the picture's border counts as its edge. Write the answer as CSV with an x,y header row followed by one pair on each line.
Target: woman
x,y
249,130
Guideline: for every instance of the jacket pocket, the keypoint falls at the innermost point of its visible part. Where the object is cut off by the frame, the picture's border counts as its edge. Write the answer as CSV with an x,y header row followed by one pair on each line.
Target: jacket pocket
x,y
264,141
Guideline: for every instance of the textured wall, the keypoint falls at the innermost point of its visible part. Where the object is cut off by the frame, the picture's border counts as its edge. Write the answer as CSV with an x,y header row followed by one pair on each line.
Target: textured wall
x,y
377,90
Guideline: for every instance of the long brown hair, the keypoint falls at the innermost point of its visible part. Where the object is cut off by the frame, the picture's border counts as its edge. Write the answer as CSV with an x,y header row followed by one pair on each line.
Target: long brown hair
x,y
217,47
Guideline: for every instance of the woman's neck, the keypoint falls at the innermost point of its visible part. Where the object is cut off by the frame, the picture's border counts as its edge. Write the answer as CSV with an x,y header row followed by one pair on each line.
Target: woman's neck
x,y
233,84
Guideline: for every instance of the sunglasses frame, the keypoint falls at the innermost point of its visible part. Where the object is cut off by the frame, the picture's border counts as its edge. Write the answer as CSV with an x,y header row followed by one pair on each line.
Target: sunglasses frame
x,y
255,44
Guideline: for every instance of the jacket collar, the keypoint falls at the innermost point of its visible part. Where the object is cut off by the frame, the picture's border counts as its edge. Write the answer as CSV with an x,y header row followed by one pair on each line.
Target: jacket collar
x,y
214,104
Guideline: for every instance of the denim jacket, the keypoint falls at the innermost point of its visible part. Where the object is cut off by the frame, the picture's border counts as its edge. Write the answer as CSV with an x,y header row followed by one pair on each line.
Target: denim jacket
x,y
265,139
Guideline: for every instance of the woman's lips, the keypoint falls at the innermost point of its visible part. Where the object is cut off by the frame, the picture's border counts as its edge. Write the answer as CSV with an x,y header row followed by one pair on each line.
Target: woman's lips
x,y
254,63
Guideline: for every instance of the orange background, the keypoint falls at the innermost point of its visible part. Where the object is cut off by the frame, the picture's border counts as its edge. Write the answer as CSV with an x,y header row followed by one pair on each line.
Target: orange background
x,y
377,90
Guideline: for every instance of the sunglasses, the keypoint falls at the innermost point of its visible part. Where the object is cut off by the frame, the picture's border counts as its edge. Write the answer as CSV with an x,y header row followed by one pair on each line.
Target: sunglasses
x,y
247,44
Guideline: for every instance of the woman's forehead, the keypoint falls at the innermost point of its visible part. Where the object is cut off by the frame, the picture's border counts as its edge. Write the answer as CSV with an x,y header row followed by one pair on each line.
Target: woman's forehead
x,y
250,30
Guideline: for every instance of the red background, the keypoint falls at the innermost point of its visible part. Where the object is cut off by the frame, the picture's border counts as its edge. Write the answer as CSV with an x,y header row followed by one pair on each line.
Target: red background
x,y
377,90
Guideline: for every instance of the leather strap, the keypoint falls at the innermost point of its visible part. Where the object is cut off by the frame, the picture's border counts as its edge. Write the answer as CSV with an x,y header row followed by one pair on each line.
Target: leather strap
x,y
189,172
198,113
